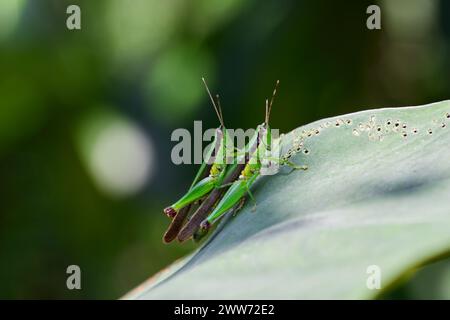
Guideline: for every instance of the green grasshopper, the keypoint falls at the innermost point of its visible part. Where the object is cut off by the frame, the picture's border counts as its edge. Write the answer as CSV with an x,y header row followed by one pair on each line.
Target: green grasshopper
x,y
217,154
235,195
209,189
191,228
249,171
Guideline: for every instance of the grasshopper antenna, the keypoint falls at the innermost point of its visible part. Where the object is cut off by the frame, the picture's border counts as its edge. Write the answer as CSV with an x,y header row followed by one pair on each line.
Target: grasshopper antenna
x,y
269,108
214,104
220,107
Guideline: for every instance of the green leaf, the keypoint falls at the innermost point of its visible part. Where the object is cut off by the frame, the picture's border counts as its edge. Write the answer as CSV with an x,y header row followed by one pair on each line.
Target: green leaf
x,y
376,193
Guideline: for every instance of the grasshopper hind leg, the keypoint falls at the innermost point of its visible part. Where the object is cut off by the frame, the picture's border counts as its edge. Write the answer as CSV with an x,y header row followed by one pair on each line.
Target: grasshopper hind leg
x,y
176,224
205,225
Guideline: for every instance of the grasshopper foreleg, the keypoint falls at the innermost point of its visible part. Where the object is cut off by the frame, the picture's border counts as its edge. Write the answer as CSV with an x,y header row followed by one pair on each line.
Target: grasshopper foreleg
x,y
294,166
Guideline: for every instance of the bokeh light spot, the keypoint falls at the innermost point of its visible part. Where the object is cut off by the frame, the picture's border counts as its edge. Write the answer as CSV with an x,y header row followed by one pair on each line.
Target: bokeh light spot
x,y
10,11
119,156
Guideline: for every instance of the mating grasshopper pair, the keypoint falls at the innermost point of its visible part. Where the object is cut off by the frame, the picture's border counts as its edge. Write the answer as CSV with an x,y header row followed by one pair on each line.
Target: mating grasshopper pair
x,y
235,177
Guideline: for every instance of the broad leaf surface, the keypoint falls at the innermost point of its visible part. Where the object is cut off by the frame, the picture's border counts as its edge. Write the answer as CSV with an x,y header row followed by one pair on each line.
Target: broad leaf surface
x,y
376,193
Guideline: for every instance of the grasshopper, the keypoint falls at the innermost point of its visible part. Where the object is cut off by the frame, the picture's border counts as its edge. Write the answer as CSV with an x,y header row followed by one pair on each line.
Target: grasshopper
x,y
235,195
192,226
200,188
240,176
218,156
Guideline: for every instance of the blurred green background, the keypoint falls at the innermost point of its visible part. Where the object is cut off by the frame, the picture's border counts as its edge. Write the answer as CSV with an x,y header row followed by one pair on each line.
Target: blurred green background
x,y
86,115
